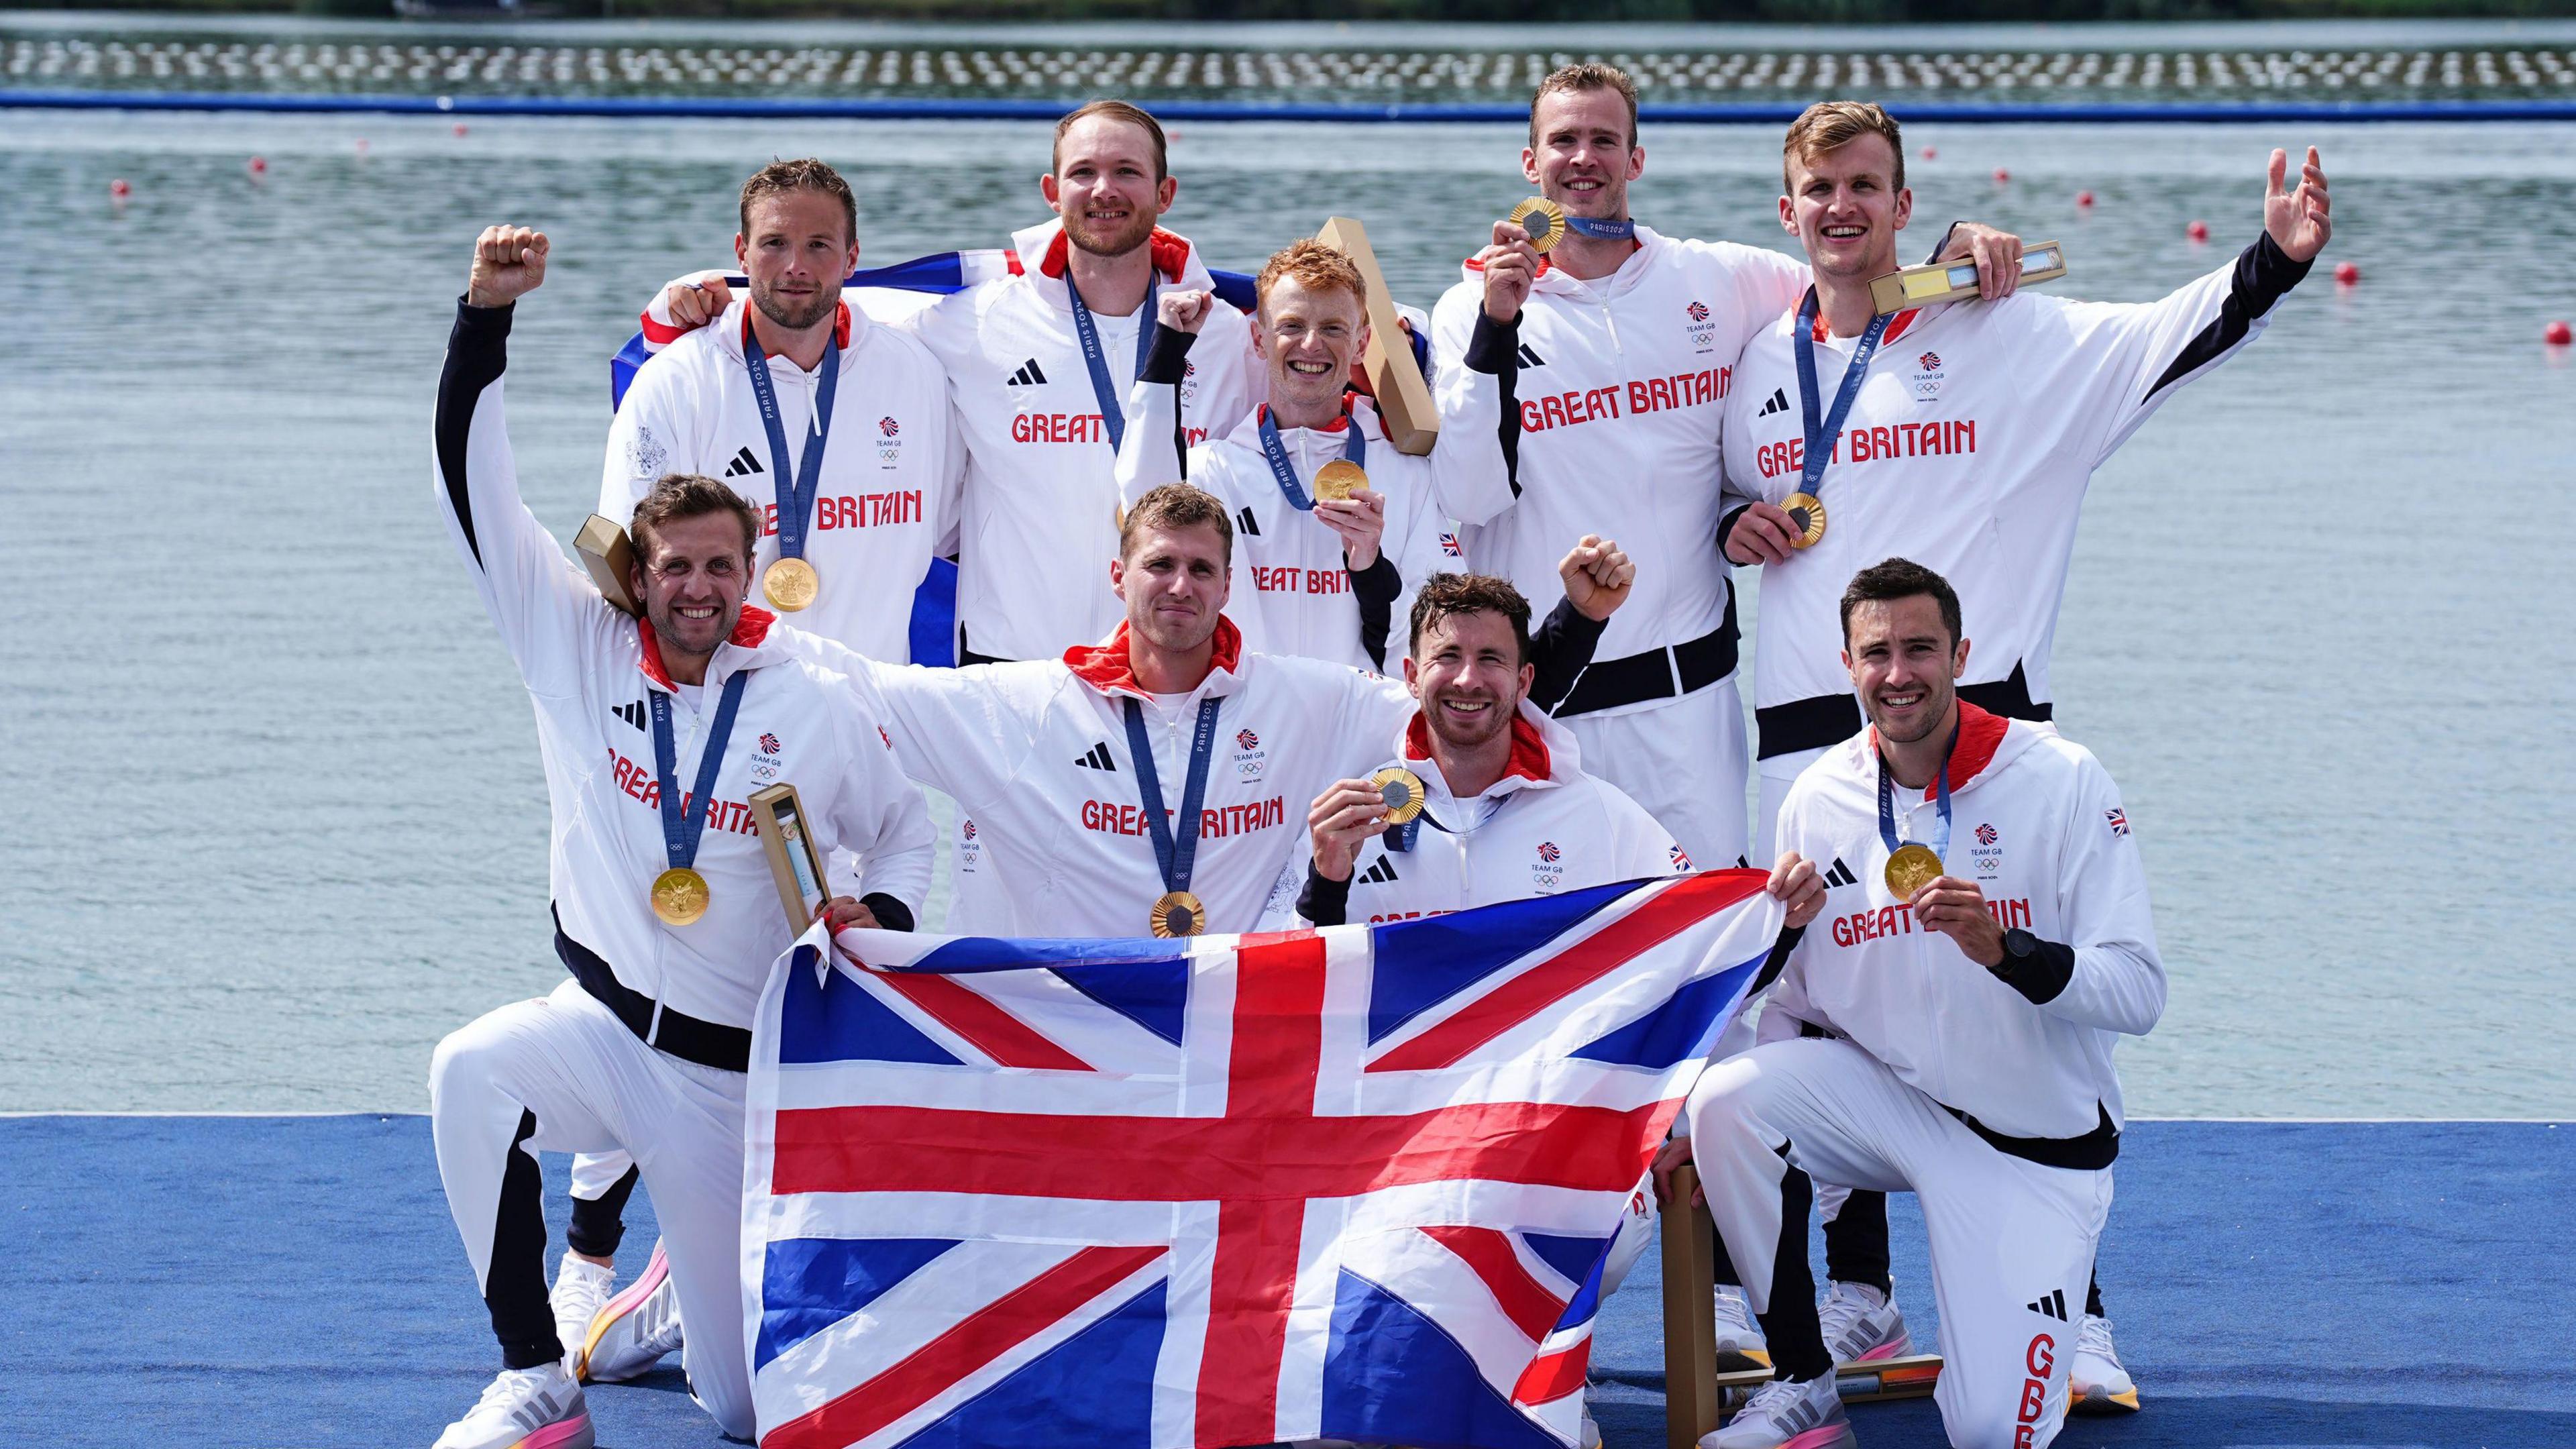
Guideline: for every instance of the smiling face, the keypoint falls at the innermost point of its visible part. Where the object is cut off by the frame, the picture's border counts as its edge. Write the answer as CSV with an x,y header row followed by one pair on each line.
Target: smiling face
x,y
797,251
1583,152
1107,185
1174,583
1467,674
1846,207
1904,665
1309,337
692,575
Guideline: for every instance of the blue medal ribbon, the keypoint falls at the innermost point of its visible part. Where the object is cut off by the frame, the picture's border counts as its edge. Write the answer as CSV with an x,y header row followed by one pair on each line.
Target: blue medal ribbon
x,y
682,827
1176,857
1941,797
798,483
1602,228
1112,416
1821,433
1354,449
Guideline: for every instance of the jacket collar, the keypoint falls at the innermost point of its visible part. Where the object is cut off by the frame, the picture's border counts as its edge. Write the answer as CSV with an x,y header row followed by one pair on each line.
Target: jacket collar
x,y
1357,410
1543,752
734,329
1176,260
1980,747
1897,326
1110,668
745,647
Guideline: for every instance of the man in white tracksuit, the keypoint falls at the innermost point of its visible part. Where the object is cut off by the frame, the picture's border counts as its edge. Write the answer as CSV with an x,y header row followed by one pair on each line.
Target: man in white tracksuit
x,y
1972,972
1594,381
1970,434
1156,783
1038,364
653,732
1327,578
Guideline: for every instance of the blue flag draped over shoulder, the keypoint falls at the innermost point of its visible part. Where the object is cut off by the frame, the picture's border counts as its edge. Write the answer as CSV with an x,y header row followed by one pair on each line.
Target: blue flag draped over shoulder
x,y
1357,1183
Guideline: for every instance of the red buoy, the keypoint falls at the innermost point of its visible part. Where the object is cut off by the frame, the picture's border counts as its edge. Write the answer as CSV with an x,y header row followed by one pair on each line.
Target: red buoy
x,y
362,145
2198,231
2002,175
2557,334
1931,153
2084,199
2347,273
120,188
259,166
460,128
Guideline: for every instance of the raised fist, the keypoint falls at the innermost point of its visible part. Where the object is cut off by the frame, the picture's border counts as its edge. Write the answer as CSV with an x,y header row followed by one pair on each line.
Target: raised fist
x,y
509,263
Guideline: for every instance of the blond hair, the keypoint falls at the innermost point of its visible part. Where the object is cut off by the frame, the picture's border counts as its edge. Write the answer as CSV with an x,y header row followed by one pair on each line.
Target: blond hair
x,y
1172,507
1832,125
1587,77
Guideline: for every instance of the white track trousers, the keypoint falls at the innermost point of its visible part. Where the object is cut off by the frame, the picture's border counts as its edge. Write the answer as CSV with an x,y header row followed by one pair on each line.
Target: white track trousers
x,y
1683,760
2012,1241
590,1086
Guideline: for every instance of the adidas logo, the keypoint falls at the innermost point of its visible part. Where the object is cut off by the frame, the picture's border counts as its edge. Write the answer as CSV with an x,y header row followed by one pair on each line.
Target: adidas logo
x,y
1530,357
1029,375
743,465
1777,403
1244,525
632,713
1097,758
1839,874
2052,1306
1382,873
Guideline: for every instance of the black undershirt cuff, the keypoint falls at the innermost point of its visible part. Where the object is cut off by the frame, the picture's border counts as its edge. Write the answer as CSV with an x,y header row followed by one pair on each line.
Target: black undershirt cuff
x,y
1324,902
1379,583
1168,360
1495,345
891,914
2040,976
1726,529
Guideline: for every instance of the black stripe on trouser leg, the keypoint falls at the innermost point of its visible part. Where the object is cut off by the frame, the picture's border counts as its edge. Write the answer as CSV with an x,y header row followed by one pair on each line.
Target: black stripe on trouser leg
x,y
514,1288
1856,1242
599,1224
2093,1287
1790,1328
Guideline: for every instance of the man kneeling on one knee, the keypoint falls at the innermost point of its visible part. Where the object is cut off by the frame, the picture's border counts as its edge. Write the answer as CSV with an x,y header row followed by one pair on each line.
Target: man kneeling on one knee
x,y
1989,947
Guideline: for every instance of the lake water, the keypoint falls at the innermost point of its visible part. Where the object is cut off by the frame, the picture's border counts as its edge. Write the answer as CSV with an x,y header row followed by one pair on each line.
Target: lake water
x,y
282,819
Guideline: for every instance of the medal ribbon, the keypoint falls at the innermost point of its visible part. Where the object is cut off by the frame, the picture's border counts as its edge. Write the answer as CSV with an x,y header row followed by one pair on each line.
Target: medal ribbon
x,y
1887,806
796,485
1354,449
1112,416
1177,858
1602,228
681,828
1822,433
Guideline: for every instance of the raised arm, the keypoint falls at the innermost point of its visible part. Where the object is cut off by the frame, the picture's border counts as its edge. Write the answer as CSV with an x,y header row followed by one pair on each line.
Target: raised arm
x,y
546,607
1152,451
1476,344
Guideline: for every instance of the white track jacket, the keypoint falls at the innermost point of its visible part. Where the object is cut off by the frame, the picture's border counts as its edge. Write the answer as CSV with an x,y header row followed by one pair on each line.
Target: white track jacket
x,y
887,502
1544,827
1617,388
1968,450
588,670
2037,824
1291,592
1037,754
1041,499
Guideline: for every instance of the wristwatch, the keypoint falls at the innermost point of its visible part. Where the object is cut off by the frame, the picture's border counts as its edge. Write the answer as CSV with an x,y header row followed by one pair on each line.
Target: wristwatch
x,y
2019,946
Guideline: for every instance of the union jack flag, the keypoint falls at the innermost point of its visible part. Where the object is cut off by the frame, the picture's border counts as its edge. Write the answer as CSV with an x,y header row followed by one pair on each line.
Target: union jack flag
x,y
1357,1183
2119,821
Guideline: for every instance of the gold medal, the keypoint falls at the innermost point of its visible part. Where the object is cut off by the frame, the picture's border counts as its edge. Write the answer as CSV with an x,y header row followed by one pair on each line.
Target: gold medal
x,y
790,583
1401,789
1337,480
679,896
1910,869
1178,913
1807,515
1546,235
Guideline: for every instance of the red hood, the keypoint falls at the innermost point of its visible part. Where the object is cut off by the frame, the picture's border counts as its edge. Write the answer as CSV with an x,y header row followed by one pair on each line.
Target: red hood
x,y
1109,668
1171,255
749,629
1529,753
1895,328
1980,734
1339,424
840,328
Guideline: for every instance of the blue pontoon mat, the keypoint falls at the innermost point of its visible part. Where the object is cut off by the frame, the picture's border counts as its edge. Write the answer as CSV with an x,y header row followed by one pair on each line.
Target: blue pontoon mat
x,y
296,1281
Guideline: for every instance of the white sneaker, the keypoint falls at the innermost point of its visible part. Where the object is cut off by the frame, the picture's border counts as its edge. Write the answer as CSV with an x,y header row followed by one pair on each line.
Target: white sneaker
x,y
530,1408
1740,1345
581,1290
1785,1415
2095,1382
635,1328
1861,1324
